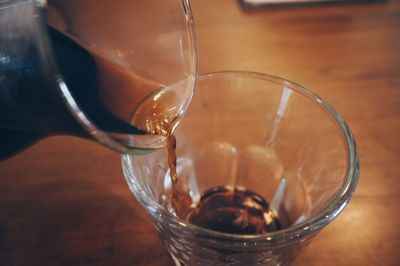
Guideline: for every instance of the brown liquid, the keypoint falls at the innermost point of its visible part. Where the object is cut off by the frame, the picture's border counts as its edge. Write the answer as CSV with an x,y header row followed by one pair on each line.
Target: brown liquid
x,y
180,198
157,115
235,211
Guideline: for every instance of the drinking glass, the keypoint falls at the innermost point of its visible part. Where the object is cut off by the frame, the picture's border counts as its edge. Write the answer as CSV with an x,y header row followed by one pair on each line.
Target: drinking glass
x,y
263,133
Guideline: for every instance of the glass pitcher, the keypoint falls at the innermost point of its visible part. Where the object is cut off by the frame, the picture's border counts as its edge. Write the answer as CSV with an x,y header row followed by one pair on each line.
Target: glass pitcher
x,y
86,68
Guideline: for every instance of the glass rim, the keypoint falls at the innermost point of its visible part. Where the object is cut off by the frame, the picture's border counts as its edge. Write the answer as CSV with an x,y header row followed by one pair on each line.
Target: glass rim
x,y
300,230
54,75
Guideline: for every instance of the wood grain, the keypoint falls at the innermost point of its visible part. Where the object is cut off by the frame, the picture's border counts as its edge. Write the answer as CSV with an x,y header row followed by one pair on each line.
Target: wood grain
x,y
64,201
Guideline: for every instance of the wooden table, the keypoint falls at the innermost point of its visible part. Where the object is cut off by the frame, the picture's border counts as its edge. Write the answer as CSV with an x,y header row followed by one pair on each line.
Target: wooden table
x,y
65,202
